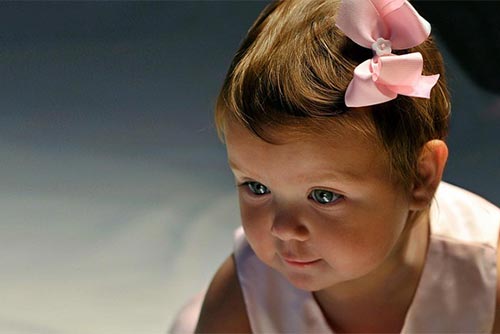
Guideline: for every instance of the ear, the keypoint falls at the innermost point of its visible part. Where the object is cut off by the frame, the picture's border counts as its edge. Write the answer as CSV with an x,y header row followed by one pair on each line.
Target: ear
x,y
430,167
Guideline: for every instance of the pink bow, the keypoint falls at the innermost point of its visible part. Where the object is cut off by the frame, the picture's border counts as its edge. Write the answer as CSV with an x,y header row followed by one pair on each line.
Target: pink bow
x,y
383,25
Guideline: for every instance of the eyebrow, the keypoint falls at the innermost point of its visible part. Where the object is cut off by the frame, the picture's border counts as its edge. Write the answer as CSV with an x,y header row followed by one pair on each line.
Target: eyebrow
x,y
233,165
347,175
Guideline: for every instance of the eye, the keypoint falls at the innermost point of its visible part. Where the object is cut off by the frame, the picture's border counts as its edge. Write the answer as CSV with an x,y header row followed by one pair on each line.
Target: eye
x,y
257,188
324,196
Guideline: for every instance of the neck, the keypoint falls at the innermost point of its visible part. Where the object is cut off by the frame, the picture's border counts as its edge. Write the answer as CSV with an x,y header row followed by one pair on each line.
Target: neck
x,y
382,297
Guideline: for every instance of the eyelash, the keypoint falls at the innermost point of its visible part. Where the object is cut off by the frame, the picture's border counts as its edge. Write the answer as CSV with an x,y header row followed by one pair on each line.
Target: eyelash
x,y
246,186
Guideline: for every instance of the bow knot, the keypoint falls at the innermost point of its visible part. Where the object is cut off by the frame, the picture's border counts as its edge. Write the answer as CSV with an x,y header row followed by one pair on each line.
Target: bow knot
x,y
386,25
382,47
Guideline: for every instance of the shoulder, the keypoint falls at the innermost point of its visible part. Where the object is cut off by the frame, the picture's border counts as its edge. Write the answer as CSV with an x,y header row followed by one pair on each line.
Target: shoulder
x,y
223,309
459,214
480,220
453,197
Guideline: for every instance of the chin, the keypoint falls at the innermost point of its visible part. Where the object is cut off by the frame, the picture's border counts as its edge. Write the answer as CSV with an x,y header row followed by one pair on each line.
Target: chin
x,y
304,282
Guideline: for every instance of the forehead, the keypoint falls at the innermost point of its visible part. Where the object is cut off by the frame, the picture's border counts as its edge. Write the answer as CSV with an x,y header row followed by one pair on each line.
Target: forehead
x,y
343,154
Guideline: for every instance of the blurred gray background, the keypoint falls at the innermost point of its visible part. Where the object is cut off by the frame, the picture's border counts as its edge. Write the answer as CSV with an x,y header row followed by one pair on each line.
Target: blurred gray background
x,y
116,204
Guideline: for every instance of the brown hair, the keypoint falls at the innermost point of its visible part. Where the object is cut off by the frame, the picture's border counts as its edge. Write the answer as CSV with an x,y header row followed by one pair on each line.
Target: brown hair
x,y
291,72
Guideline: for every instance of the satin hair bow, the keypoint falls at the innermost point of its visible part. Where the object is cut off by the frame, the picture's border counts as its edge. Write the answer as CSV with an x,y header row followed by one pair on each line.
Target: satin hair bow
x,y
384,25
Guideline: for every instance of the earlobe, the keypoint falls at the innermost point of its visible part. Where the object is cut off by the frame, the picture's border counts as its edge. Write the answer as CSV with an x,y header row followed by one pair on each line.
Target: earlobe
x,y
430,167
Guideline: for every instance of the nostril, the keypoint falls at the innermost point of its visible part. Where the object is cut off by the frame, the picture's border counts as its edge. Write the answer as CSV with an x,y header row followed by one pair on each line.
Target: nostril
x,y
290,231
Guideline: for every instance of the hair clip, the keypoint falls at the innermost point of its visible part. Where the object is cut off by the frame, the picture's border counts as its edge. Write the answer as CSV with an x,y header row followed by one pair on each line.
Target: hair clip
x,y
383,26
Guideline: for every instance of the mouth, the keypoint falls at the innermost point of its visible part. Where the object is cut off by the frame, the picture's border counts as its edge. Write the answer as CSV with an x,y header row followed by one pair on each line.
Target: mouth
x,y
300,263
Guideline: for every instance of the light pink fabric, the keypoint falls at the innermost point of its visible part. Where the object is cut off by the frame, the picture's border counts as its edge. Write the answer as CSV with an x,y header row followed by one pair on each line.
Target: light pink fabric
x,y
382,78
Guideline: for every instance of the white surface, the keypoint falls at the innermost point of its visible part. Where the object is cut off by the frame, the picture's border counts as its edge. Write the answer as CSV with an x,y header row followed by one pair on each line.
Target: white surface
x,y
94,245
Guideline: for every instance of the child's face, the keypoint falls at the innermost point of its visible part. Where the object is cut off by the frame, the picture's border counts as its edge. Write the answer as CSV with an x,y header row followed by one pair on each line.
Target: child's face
x,y
320,211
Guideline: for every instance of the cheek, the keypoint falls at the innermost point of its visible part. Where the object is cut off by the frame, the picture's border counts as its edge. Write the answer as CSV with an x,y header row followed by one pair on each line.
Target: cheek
x,y
253,217
353,255
256,222
361,244
254,209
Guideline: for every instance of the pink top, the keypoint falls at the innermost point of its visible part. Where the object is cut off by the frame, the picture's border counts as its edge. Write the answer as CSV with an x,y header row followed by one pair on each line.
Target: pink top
x,y
456,293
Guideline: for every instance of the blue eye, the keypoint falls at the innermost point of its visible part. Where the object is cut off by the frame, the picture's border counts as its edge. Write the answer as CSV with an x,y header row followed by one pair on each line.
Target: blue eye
x,y
324,196
257,188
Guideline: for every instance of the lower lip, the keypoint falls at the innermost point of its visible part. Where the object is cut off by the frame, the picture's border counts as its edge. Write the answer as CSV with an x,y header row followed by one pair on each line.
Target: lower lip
x,y
301,264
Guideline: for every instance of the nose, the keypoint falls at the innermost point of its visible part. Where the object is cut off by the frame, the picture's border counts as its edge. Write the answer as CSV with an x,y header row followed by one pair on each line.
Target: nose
x,y
288,226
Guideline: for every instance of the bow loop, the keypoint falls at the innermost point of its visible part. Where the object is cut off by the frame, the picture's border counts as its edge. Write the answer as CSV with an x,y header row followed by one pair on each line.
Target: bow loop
x,y
394,20
394,70
381,79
